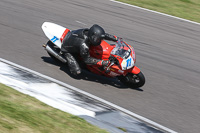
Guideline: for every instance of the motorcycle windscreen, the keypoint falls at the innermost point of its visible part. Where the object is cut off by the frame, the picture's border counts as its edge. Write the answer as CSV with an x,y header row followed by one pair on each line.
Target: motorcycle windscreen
x,y
121,49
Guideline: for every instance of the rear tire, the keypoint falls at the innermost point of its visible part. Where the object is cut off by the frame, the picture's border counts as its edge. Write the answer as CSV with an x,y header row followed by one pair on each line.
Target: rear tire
x,y
133,80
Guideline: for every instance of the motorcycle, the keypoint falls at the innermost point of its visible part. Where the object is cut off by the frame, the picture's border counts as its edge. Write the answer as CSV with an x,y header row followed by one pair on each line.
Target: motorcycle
x,y
120,54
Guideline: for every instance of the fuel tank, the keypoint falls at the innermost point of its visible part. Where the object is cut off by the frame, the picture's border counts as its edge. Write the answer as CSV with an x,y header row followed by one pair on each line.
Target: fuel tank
x,y
102,51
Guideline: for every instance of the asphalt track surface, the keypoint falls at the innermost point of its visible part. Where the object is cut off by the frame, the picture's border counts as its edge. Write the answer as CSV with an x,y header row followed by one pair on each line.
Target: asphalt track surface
x,y
167,51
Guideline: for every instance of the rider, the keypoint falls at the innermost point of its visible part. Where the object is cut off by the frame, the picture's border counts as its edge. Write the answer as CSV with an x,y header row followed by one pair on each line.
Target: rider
x,y
79,41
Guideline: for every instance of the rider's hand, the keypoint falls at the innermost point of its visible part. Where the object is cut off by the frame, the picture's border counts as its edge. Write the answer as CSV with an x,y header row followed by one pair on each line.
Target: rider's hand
x,y
115,38
118,38
105,63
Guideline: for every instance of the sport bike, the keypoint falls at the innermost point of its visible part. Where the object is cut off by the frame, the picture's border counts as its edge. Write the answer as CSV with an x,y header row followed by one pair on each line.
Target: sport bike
x,y
120,54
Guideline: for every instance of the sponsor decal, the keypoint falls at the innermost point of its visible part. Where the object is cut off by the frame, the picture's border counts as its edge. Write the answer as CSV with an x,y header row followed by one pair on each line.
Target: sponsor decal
x,y
113,74
112,69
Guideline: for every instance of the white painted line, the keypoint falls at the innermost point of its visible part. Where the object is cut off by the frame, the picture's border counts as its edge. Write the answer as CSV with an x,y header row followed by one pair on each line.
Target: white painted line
x,y
81,22
92,96
155,12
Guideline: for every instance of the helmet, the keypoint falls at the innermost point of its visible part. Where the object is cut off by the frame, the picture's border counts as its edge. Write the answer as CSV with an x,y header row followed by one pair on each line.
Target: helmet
x,y
96,34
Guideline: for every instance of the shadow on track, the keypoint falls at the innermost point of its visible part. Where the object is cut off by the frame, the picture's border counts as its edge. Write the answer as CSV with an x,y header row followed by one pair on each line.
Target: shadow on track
x,y
89,76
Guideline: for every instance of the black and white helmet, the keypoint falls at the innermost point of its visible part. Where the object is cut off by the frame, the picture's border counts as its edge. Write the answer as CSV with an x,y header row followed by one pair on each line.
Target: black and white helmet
x,y
96,34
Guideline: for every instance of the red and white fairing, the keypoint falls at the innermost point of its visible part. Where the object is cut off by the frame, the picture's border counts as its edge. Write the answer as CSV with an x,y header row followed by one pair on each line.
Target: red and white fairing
x,y
122,52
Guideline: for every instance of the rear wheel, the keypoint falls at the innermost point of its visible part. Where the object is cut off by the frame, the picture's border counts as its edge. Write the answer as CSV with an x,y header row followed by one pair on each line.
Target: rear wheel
x,y
133,80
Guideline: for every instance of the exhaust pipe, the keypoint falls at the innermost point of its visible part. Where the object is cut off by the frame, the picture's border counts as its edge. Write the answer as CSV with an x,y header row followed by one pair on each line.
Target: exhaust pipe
x,y
54,53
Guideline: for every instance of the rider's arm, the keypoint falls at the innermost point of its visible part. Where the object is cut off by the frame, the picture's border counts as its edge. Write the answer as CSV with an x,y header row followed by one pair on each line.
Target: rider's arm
x,y
110,37
84,52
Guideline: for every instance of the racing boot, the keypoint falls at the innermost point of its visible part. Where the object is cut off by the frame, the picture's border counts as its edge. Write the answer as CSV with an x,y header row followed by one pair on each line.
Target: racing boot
x,y
73,64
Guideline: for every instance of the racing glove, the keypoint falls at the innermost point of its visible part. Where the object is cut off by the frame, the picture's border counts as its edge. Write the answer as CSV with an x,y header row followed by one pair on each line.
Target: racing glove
x,y
116,38
110,37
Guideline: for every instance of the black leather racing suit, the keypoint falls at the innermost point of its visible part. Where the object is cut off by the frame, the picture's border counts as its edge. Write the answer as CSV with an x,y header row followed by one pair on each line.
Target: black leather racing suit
x,y
77,42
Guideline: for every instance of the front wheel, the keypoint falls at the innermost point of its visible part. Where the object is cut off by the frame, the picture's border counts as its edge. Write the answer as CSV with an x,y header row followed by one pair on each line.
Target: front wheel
x,y
133,80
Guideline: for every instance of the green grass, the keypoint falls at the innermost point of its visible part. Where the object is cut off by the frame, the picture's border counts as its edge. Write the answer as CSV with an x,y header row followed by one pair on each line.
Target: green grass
x,y
21,113
123,129
187,9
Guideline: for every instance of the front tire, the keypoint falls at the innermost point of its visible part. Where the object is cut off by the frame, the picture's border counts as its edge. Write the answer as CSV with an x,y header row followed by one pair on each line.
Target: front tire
x,y
133,80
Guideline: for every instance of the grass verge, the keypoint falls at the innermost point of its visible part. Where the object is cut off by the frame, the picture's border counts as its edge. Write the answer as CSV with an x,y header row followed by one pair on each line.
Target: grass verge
x,y
187,9
21,113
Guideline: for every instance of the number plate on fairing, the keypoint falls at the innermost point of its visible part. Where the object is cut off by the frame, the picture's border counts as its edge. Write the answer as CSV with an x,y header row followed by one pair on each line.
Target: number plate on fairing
x,y
127,63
